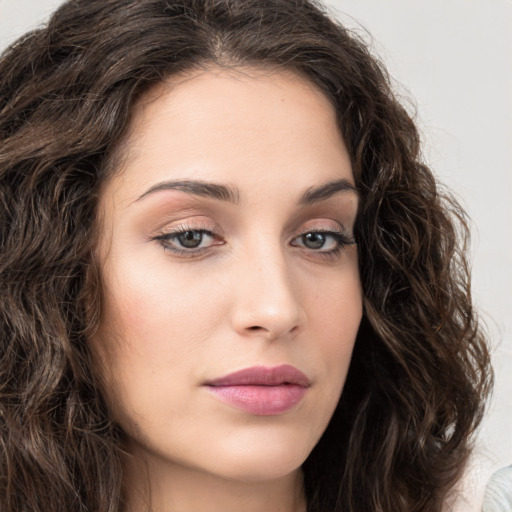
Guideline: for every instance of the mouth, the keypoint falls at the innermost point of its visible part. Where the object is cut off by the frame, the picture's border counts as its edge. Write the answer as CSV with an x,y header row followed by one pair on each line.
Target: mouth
x,y
260,390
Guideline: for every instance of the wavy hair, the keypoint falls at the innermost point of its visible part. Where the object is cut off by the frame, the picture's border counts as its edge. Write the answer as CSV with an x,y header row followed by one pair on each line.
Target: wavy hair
x,y
403,429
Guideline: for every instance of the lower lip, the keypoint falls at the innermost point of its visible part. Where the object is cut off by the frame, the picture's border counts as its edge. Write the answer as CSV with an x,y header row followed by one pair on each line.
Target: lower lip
x,y
260,400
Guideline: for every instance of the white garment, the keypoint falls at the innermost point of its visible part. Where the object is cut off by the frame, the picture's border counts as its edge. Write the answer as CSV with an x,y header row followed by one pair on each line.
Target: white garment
x,y
498,493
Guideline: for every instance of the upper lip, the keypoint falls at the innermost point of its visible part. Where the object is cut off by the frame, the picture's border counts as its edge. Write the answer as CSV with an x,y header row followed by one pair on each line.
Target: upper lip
x,y
263,376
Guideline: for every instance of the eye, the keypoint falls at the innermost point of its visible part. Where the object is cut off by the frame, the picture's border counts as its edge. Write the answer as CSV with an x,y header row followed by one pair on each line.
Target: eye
x,y
190,239
322,241
186,241
314,240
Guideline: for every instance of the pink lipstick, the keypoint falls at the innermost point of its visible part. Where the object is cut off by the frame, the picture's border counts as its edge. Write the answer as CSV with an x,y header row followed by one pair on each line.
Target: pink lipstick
x,y
260,390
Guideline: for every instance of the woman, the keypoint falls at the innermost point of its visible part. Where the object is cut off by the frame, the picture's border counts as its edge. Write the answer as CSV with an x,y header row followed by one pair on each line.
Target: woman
x,y
228,280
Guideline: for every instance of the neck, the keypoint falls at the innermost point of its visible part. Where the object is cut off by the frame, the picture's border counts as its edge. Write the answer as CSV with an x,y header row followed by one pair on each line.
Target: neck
x,y
162,486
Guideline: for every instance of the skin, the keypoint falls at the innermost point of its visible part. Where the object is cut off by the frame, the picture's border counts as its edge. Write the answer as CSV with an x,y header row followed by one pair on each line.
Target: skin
x,y
255,292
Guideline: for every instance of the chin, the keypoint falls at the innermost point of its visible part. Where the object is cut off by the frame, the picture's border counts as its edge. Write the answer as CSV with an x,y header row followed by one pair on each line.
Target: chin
x,y
258,471
269,458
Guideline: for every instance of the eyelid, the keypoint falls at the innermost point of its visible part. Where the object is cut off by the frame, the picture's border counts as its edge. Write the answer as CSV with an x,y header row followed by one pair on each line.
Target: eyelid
x,y
196,223
335,231
167,236
343,238
330,227
167,240
325,225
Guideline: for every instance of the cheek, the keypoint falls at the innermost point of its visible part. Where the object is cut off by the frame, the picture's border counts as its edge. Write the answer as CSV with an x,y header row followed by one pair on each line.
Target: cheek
x,y
337,304
154,325
334,317
154,303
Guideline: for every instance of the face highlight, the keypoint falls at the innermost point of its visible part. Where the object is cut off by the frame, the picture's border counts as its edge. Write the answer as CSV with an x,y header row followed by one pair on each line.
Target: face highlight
x,y
227,253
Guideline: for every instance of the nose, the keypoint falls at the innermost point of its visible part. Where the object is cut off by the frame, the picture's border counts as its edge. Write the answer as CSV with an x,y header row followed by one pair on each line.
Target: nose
x,y
266,301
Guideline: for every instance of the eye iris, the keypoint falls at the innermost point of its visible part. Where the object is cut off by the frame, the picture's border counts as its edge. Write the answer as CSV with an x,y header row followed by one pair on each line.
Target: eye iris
x,y
313,240
190,239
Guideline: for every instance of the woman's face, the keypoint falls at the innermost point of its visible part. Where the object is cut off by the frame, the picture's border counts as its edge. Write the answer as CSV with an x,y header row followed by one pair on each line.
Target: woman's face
x,y
231,287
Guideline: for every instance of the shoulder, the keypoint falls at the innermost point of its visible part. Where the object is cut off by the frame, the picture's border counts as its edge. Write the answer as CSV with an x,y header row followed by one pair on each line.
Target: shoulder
x,y
498,492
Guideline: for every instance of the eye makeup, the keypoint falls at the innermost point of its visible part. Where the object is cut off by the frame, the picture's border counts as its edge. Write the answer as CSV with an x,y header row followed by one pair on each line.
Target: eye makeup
x,y
186,241
192,240
190,227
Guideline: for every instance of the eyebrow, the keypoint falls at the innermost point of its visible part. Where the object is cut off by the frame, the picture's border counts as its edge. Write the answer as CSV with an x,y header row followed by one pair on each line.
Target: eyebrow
x,y
231,194
198,188
321,193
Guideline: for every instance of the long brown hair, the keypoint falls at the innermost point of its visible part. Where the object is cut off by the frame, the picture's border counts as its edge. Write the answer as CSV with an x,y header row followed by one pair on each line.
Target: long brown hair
x,y
402,431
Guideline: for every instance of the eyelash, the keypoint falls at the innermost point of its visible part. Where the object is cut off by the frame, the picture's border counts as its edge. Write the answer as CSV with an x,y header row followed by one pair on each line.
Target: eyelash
x,y
341,240
164,240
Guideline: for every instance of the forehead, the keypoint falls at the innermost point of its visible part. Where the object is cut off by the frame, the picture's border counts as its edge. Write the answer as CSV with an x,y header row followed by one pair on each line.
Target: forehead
x,y
236,126
239,88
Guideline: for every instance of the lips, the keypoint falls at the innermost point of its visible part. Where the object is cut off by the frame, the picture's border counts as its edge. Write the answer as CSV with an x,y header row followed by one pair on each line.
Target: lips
x,y
260,390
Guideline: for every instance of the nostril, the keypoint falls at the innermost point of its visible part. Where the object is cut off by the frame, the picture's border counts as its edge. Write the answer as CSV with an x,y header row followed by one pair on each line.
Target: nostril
x,y
295,329
255,328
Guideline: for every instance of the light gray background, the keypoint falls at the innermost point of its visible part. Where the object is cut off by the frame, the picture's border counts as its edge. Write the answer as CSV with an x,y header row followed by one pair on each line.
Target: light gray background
x,y
454,57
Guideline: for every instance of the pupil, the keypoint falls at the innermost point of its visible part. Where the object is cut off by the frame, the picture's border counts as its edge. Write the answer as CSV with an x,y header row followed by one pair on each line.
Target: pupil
x,y
313,240
191,239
